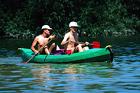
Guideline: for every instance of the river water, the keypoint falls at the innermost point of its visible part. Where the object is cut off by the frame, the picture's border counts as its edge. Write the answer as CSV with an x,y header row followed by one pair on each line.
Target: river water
x,y
120,76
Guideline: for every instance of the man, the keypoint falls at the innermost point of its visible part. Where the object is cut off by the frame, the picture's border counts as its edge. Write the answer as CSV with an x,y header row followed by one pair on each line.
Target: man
x,y
70,40
43,39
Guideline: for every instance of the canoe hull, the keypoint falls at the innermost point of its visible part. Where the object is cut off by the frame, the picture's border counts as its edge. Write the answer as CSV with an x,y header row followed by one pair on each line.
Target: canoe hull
x,y
92,55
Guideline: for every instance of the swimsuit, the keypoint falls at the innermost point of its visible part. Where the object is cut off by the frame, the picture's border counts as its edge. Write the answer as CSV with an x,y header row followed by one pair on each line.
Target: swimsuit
x,y
68,51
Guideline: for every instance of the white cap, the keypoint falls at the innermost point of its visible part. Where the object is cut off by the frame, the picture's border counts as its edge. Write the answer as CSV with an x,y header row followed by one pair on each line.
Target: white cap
x,y
46,27
73,24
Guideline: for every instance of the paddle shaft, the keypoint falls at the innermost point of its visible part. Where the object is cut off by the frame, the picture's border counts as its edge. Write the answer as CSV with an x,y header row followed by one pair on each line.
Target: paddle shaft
x,y
86,44
31,58
38,51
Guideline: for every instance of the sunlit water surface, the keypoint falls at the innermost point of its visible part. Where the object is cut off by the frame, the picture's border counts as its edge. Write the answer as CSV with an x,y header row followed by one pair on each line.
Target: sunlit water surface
x,y
121,76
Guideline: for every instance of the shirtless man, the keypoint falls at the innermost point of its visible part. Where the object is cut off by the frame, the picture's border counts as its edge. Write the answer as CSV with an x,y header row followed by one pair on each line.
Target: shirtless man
x,y
42,39
70,40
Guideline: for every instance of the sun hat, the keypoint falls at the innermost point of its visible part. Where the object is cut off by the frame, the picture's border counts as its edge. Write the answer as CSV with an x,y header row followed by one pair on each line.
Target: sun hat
x,y
46,27
73,24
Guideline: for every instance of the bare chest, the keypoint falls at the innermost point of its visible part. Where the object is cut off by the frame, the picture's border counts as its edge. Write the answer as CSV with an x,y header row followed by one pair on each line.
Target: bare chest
x,y
42,40
73,37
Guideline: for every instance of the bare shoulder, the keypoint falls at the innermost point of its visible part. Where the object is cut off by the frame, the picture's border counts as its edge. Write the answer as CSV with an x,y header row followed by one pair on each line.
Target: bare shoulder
x,y
67,34
37,37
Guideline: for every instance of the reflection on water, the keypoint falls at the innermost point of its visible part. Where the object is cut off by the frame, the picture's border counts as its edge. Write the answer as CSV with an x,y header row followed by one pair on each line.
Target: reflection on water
x,y
121,76
69,77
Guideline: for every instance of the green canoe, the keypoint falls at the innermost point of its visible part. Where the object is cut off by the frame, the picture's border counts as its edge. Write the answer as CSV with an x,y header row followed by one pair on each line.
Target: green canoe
x,y
91,55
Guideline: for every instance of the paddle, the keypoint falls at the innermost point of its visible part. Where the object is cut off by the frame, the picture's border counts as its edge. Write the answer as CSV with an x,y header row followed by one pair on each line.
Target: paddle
x,y
37,52
95,44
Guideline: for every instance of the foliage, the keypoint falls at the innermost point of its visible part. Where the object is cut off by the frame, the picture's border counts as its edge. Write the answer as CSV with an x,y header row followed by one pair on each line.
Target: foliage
x,y
23,18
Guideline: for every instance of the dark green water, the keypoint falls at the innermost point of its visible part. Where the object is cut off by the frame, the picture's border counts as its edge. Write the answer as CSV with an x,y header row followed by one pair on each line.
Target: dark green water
x,y
121,76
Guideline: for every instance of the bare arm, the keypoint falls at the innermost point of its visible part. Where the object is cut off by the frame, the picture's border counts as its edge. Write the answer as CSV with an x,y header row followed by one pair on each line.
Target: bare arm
x,y
64,41
51,37
33,45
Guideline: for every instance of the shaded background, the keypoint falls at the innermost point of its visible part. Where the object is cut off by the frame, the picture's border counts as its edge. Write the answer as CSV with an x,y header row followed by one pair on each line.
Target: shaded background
x,y
24,18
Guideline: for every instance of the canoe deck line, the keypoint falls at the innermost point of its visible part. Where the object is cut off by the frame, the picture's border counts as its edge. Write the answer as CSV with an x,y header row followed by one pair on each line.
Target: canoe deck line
x,y
91,55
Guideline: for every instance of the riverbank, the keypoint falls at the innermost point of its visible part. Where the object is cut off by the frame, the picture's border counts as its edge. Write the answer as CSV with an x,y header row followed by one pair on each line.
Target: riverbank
x,y
105,33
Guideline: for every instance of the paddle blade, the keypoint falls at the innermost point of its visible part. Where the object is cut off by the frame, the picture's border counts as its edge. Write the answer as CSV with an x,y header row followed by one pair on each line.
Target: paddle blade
x,y
96,44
